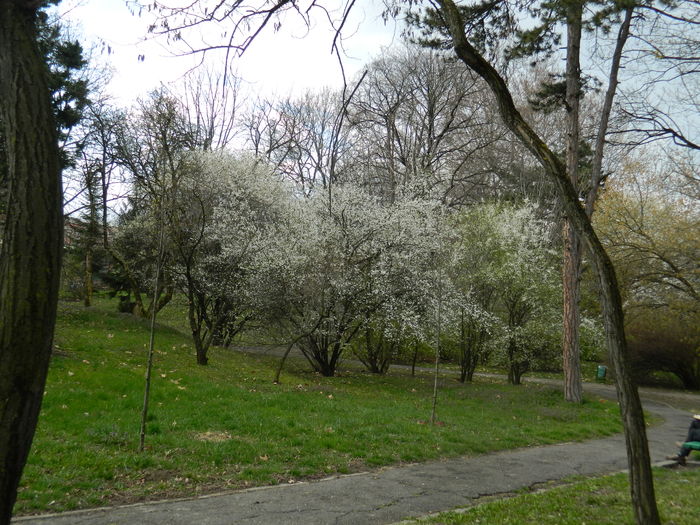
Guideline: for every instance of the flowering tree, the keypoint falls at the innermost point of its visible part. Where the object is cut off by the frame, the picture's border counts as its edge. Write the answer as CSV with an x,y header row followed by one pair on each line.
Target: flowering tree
x,y
512,281
472,323
415,289
225,217
349,265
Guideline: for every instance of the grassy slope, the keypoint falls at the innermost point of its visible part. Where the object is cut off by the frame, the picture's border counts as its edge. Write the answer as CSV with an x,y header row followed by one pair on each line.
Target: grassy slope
x,y
600,501
227,426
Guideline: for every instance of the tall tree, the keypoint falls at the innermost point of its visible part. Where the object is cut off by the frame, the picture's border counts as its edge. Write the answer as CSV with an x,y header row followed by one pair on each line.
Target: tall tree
x,y
68,81
641,481
539,40
94,187
489,21
30,254
151,147
573,388
565,90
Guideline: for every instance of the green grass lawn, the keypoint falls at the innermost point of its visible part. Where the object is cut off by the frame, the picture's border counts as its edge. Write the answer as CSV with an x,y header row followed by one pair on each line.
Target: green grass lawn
x,y
227,426
599,501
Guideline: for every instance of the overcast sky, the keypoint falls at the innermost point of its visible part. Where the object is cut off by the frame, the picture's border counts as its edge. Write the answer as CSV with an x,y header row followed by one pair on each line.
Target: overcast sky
x,y
290,60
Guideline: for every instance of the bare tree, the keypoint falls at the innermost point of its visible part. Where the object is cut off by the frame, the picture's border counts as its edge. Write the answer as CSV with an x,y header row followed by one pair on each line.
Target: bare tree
x,y
663,58
95,187
639,209
150,147
209,101
420,124
305,138
263,129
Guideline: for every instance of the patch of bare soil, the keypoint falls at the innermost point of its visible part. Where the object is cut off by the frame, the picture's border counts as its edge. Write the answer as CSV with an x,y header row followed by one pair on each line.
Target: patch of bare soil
x,y
213,436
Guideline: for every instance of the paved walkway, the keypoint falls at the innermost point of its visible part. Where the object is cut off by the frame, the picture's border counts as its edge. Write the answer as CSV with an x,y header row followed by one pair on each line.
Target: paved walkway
x,y
393,494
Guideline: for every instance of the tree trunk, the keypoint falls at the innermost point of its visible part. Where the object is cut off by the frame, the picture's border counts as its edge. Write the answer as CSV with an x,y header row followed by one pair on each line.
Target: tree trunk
x,y
641,480
201,351
464,359
573,388
88,275
515,375
30,253
151,343
413,361
196,327
326,369
316,351
92,234
571,272
516,369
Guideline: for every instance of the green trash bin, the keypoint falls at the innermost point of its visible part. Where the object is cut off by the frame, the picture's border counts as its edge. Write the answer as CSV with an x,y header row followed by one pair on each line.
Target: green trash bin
x,y
602,370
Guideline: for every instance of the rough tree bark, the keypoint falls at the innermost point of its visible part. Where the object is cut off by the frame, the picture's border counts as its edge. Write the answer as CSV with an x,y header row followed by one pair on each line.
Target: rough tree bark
x,y
571,270
30,254
641,480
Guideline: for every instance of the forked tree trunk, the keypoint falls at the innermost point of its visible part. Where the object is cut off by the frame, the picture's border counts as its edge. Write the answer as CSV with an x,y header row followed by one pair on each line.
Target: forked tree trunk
x,y
571,269
197,326
30,253
516,367
202,358
641,480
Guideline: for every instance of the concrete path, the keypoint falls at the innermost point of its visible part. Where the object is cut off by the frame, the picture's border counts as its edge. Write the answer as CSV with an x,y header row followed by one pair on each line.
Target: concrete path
x,y
393,494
